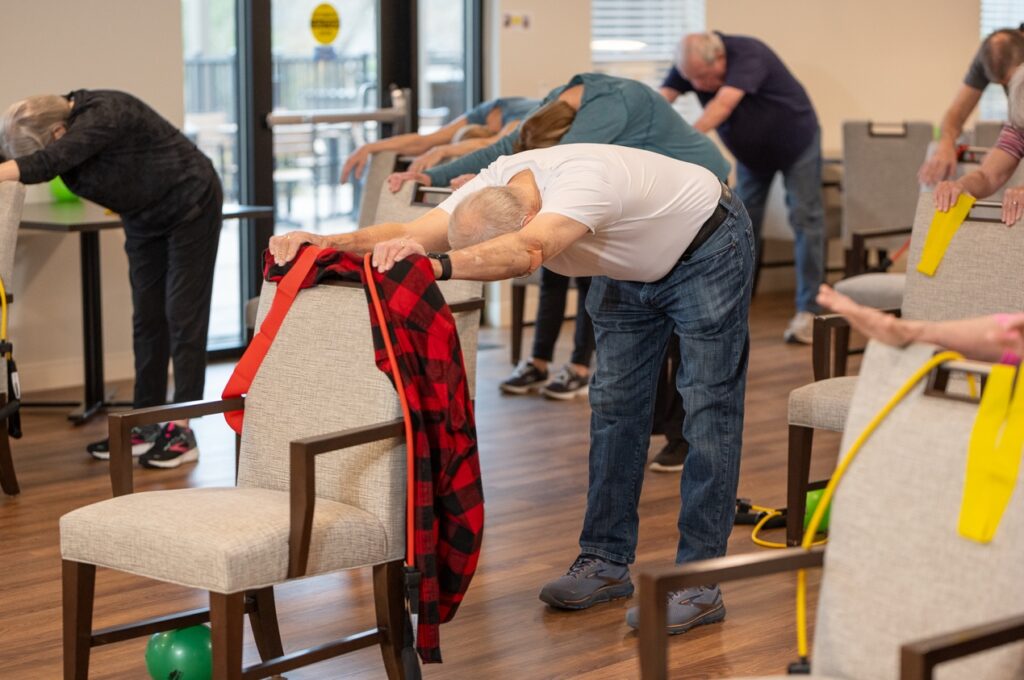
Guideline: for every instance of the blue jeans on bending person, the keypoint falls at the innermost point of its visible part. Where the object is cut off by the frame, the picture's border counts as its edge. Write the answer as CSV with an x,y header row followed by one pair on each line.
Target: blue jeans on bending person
x,y
802,180
704,301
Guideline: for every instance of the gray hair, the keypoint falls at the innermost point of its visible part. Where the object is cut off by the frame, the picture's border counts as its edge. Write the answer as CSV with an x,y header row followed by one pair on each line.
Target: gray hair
x,y
1001,53
1015,96
28,125
485,214
704,46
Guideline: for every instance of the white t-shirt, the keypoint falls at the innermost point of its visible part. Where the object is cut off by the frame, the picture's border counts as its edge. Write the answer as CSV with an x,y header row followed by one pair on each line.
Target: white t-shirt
x,y
642,208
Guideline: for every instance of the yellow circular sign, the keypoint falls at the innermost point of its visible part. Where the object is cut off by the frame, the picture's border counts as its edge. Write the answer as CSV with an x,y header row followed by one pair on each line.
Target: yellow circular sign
x,y
325,24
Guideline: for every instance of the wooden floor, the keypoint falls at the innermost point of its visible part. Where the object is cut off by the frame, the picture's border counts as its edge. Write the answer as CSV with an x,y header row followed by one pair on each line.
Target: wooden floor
x,y
534,459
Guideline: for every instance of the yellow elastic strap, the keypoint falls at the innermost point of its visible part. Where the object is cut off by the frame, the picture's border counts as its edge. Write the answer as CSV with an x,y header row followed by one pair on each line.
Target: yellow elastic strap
x,y
826,496
3,313
993,456
940,234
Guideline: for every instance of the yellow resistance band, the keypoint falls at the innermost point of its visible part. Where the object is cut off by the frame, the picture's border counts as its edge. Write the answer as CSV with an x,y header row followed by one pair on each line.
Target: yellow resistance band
x,y
826,496
993,456
940,234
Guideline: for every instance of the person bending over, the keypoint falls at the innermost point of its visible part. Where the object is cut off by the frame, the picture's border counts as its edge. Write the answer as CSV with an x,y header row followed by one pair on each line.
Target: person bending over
x,y
671,251
995,62
998,165
113,149
475,129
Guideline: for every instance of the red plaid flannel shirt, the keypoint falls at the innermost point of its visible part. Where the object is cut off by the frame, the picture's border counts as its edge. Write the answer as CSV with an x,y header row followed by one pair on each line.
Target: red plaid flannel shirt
x,y
449,507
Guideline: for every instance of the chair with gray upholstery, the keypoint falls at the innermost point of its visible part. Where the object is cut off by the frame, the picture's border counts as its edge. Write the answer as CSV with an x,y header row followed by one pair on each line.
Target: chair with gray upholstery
x,y
980,274
901,590
320,487
12,198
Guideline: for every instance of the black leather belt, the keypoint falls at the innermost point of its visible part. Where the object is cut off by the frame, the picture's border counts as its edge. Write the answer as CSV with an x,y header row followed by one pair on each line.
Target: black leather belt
x,y
708,229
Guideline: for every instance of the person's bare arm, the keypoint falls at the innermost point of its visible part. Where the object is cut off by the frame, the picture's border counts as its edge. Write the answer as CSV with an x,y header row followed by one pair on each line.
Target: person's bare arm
x,y
448,151
9,172
411,144
718,110
429,231
995,170
669,93
942,163
507,256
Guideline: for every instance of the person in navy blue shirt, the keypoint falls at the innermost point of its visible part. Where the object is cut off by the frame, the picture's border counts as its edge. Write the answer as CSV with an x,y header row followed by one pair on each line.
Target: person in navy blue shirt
x,y
765,118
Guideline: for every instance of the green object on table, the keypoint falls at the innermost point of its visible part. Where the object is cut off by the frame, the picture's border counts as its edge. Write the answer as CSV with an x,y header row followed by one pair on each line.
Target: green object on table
x,y
183,654
813,498
60,191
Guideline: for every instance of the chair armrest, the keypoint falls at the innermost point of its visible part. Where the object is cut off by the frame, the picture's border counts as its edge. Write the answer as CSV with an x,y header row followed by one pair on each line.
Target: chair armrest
x,y
120,425
859,239
656,584
302,483
918,659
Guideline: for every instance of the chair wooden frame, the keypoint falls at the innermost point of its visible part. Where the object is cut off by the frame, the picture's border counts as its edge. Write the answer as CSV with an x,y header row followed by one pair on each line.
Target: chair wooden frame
x,y
393,631
918,659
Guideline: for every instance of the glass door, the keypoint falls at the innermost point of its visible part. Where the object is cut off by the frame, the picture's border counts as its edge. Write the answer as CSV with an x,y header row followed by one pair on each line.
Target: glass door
x,y
325,58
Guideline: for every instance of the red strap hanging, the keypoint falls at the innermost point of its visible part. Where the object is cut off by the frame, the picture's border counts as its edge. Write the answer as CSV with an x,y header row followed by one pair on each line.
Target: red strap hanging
x,y
246,368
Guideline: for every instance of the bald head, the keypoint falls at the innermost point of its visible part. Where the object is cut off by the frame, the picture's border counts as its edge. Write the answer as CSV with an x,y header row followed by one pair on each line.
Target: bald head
x,y
486,214
1002,52
700,59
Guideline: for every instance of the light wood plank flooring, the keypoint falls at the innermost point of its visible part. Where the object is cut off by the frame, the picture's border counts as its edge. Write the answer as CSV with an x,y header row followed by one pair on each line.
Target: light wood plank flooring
x,y
534,460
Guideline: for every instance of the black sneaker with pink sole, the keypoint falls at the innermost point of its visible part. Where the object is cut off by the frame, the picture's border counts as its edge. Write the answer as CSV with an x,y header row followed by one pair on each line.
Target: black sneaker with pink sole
x,y
175,445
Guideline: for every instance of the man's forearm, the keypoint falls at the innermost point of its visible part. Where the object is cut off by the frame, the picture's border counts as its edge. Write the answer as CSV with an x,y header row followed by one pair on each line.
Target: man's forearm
x,y
363,240
496,259
714,115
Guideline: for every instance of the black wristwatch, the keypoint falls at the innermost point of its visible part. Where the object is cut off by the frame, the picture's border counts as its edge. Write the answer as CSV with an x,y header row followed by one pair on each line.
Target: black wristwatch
x,y
446,265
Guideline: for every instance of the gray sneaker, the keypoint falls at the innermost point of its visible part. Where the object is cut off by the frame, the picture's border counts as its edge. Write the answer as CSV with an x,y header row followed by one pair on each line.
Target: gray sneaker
x,y
590,580
687,608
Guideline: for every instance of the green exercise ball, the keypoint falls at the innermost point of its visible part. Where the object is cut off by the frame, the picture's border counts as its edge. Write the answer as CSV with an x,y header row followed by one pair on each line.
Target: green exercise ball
x,y
60,191
813,498
183,654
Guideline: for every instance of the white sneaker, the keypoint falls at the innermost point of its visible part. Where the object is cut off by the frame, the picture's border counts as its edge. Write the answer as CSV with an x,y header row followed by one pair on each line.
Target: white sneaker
x,y
800,329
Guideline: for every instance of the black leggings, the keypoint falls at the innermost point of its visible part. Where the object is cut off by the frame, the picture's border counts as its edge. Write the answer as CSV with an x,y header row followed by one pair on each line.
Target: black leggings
x,y
551,314
172,283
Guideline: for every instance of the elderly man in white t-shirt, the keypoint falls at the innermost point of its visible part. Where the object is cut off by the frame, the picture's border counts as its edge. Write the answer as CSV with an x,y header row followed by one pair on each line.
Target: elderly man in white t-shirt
x,y
671,250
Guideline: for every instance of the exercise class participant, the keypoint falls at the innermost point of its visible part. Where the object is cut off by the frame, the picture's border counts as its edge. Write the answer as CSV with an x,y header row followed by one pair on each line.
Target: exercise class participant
x,y
994,62
113,149
475,129
670,250
765,118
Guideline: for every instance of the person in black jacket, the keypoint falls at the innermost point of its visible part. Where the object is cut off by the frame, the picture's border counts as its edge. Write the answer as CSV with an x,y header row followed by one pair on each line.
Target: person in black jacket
x,y
113,149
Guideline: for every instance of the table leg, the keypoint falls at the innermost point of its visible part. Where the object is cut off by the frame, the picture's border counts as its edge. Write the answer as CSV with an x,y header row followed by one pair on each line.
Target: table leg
x,y
92,329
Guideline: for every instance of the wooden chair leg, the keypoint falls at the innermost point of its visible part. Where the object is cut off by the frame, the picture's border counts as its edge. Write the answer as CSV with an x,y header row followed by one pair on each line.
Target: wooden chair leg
x,y
79,585
518,309
842,350
8,480
226,613
263,619
389,602
800,441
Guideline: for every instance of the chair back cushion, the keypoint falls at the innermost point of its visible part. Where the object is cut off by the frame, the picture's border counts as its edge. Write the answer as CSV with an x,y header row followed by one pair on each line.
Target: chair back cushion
x,y
12,199
981,272
896,570
880,165
319,376
379,204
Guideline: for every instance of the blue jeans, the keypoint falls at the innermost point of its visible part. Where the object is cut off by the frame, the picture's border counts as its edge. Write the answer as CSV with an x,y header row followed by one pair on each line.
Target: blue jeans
x,y
806,216
704,300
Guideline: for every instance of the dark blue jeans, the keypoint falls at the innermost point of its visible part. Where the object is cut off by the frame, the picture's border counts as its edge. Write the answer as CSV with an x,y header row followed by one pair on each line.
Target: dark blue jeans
x,y
806,216
704,301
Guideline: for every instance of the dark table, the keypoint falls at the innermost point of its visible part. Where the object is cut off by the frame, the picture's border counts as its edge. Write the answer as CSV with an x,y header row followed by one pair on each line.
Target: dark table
x,y
87,220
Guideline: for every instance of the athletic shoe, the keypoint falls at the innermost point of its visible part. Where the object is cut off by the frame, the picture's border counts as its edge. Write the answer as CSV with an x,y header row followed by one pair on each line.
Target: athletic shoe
x,y
525,379
174,446
801,329
590,580
143,438
568,384
671,457
686,609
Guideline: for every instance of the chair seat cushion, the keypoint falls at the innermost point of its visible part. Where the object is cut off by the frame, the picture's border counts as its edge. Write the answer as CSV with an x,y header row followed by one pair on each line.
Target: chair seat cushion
x,y
220,539
881,291
822,405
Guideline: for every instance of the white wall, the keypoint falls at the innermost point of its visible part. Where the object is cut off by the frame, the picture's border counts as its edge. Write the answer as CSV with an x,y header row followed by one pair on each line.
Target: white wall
x,y
863,59
55,46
